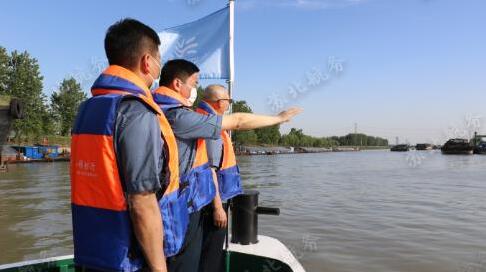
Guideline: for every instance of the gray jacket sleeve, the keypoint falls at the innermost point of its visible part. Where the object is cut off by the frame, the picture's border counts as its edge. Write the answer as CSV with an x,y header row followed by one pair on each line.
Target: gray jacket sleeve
x,y
190,125
215,152
139,146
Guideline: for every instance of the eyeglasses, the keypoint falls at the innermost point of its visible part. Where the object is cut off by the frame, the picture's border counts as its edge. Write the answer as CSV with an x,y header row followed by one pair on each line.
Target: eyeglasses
x,y
225,99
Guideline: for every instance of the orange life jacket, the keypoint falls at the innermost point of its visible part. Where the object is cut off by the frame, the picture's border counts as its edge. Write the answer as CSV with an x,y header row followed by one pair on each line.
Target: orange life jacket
x,y
102,231
229,180
200,177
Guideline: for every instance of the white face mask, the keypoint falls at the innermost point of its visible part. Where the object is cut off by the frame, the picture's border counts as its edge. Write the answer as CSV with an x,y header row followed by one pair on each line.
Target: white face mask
x,y
155,81
192,98
155,84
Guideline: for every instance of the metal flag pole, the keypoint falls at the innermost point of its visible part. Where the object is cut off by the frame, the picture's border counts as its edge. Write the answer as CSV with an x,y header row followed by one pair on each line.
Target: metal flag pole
x,y
231,50
230,92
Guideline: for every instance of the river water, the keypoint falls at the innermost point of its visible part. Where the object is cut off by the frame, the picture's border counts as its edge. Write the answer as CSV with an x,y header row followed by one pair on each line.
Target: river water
x,y
358,211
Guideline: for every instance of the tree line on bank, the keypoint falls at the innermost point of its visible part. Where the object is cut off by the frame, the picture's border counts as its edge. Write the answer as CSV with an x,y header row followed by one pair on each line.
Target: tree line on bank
x,y
296,137
20,77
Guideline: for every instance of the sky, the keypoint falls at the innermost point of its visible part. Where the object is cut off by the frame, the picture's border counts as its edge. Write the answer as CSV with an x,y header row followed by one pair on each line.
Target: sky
x,y
413,69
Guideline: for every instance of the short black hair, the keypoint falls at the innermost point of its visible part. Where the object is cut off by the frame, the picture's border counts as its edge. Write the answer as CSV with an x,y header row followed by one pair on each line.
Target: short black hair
x,y
177,68
127,40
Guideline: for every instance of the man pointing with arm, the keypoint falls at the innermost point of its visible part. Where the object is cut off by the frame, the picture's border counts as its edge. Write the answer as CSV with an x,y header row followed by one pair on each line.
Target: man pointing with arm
x,y
178,80
222,159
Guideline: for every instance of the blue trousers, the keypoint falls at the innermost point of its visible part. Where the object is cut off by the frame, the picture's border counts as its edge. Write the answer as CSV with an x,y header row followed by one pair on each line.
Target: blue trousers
x,y
188,259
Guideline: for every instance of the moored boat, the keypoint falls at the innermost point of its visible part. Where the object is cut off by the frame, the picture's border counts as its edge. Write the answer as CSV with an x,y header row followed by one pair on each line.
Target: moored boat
x,y
457,147
424,147
400,148
480,148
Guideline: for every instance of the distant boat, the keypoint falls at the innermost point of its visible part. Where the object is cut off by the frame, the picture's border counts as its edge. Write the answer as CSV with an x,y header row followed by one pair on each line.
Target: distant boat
x,y
400,148
424,147
457,147
480,148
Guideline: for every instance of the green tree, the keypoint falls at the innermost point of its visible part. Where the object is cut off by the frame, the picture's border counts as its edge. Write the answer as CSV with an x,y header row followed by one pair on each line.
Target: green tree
x,y
48,121
24,81
247,137
65,103
243,137
241,106
294,138
360,140
199,97
4,64
268,135
297,138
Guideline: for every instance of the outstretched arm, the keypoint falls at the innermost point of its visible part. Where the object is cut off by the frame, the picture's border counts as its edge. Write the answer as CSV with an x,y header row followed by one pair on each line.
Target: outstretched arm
x,y
247,121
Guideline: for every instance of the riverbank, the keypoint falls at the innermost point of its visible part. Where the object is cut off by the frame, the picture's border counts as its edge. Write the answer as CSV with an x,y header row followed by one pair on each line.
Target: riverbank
x,y
11,156
62,141
277,150
59,159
